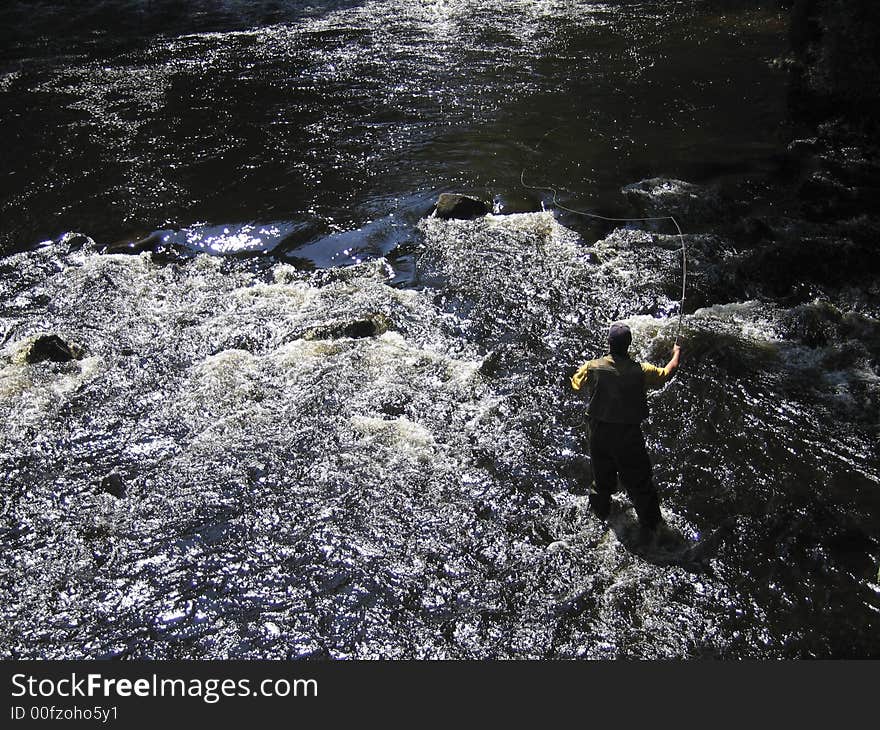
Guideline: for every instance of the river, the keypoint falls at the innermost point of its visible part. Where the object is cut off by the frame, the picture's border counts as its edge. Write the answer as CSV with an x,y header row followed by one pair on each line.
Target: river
x,y
321,424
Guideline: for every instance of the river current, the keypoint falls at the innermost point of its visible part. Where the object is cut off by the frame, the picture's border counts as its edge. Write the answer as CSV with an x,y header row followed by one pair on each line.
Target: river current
x,y
319,423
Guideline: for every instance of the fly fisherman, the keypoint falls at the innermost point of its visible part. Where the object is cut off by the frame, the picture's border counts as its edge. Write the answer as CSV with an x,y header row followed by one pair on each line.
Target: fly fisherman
x,y
618,405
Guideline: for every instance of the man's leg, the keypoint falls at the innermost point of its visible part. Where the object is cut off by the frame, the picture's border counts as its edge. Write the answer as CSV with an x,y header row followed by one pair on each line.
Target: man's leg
x,y
604,470
636,476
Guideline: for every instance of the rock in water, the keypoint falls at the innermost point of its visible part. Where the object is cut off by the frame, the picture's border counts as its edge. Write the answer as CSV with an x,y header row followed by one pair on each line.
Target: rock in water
x,y
151,243
114,485
659,196
51,347
372,325
462,207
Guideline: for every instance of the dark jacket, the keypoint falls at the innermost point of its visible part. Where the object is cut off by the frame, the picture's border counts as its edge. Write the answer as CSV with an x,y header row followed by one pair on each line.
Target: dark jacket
x,y
618,386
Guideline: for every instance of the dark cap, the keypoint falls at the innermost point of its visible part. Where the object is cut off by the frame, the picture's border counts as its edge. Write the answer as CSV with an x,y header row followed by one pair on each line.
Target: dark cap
x,y
619,338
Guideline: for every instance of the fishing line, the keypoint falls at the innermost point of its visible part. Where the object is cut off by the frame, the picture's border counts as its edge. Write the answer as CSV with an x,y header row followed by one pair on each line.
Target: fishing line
x,y
588,214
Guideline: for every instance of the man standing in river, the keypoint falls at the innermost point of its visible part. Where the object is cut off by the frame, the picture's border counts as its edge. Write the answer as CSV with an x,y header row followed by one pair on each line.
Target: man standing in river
x,y
618,388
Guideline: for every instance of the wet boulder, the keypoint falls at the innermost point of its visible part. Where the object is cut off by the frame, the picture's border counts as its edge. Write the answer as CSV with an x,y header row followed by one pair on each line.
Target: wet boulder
x,y
491,364
161,250
151,242
113,484
659,196
372,325
72,241
51,347
461,207
815,324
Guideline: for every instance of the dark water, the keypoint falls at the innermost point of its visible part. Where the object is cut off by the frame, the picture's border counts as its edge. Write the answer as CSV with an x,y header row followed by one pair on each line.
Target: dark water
x,y
418,490
316,119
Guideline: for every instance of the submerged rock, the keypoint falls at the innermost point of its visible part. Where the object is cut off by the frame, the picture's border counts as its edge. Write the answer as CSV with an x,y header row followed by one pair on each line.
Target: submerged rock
x,y
372,325
658,196
491,363
113,484
161,250
462,207
72,241
151,242
51,347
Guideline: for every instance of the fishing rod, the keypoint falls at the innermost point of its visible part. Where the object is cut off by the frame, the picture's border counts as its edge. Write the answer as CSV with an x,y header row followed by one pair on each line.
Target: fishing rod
x,y
589,214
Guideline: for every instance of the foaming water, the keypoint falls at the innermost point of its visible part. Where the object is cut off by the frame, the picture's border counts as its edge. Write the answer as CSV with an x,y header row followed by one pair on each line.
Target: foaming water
x,y
323,464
